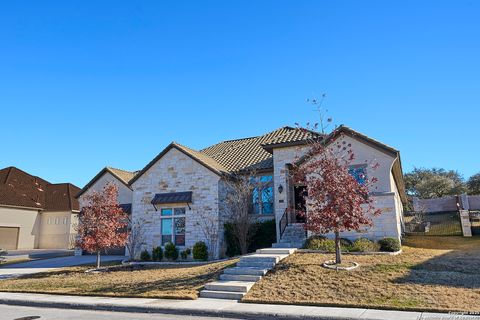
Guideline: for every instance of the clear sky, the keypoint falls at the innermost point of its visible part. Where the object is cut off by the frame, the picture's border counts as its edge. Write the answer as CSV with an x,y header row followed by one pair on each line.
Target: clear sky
x,y
85,84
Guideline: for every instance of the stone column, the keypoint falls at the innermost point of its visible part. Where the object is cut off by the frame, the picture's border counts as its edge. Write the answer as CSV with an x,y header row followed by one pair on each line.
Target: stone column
x,y
466,225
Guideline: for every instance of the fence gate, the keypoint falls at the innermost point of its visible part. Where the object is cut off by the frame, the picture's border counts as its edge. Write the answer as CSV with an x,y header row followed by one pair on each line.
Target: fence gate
x,y
475,222
433,223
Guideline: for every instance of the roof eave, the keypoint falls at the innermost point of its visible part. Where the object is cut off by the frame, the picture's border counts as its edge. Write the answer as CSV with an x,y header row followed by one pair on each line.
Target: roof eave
x,y
98,176
164,151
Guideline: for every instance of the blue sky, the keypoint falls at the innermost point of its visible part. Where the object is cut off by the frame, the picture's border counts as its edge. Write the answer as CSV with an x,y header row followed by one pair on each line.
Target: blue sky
x,y
85,84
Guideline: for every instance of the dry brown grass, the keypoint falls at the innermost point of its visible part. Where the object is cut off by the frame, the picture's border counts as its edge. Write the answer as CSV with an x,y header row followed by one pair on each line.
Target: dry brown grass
x,y
166,281
432,273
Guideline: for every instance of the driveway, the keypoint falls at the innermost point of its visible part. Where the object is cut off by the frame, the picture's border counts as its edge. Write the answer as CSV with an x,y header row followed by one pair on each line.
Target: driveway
x,y
37,254
36,266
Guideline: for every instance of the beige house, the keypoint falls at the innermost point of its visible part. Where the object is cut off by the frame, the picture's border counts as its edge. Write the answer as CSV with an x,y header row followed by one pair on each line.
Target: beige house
x,y
34,213
181,190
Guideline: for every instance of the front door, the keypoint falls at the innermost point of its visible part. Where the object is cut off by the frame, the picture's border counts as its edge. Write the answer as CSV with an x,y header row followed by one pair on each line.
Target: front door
x,y
299,203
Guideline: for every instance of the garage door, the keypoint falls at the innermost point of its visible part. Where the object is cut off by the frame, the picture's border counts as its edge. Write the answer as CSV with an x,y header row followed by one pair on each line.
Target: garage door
x,y
9,238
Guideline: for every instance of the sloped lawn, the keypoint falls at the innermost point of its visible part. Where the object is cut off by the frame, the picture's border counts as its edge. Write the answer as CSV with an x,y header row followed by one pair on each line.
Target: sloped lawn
x,y
432,273
166,281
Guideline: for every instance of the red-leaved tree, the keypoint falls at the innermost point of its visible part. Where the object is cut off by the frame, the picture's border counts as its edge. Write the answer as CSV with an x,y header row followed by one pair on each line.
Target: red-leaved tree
x,y
335,201
102,223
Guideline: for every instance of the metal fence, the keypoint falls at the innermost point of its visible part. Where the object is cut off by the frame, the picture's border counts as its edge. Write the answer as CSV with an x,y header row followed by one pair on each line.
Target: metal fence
x,y
475,221
433,223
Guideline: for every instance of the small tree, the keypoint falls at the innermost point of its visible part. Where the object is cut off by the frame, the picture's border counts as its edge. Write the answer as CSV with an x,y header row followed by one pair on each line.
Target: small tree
x,y
210,227
335,201
102,223
136,237
238,206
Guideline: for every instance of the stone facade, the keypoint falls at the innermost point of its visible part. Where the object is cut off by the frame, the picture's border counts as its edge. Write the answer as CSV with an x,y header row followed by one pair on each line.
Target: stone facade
x,y
386,195
177,172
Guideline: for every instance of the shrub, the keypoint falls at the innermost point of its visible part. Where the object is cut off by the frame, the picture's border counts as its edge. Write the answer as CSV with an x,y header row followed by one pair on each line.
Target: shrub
x,y
157,254
364,245
327,245
263,235
171,251
346,244
145,256
200,251
389,244
188,251
184,254
307,243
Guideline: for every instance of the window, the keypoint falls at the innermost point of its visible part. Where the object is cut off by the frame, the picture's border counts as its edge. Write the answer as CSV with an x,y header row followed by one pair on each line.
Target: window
x,y
262,196
49,221
57,220
359,172
173,225
65,220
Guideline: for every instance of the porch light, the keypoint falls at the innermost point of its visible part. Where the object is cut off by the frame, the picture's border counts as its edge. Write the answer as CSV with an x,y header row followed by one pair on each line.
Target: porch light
x,y
280,189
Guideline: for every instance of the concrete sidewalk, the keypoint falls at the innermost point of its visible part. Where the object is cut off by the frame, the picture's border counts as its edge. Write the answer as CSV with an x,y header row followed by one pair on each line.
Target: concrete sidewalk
x,y
214,307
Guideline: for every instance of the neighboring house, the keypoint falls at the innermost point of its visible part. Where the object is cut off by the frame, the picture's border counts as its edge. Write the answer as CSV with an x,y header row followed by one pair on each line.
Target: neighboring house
x,y
34,213
121,179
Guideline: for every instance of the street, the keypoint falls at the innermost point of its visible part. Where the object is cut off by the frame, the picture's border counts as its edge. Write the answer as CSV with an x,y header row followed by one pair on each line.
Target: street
x,y
31,313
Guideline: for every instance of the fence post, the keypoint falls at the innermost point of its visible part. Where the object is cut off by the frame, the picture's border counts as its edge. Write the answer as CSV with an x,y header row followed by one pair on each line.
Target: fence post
x,y
465,221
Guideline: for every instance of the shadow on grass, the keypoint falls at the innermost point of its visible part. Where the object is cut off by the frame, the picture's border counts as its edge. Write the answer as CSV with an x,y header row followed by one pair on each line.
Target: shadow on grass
x,y
456,268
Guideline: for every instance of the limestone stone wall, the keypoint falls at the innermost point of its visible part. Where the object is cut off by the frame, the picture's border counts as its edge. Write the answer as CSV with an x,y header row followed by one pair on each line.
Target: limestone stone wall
x,y
389,224
384,225
176,172
282,157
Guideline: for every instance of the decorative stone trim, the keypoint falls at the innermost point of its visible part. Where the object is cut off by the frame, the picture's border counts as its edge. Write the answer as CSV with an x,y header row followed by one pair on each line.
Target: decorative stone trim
x,y
160,263
377,253
330,264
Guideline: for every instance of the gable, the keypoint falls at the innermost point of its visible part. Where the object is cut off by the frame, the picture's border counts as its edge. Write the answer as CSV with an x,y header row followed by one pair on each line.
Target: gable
x,y
99,182
172,166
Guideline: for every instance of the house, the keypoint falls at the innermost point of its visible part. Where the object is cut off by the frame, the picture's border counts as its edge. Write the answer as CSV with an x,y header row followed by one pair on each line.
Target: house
x,y
118,177
181,188
34,213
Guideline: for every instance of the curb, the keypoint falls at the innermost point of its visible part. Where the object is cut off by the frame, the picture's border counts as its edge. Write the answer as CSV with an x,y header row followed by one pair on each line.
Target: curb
x,y
243,314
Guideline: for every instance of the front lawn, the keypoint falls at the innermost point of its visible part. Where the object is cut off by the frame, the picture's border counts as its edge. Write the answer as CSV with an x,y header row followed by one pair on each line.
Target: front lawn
x,y
166,281
432,273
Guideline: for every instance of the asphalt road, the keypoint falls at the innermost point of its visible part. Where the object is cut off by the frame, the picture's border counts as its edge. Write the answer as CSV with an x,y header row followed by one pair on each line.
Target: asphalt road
x,y
30,313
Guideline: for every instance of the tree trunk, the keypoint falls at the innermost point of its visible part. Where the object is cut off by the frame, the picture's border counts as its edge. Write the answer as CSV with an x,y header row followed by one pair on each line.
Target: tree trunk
x,y
338,253
98,259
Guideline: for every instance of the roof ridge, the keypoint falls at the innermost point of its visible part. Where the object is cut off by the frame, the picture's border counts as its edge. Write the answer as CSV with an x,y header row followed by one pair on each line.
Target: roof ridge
x,y
28,174
113,168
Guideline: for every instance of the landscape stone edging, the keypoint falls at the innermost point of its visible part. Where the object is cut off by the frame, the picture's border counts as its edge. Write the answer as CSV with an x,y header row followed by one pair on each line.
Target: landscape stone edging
x,y
379,253
153,263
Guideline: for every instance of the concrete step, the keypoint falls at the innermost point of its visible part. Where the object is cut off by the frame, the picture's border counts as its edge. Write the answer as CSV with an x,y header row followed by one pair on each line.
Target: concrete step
x,y
254,271
263,258
276,251
240,277
230,286
221,294
254,264
287,245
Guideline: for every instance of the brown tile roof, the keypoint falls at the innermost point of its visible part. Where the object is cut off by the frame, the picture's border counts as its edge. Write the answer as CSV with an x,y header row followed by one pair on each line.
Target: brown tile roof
x,y
255,152
236,155
18,188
